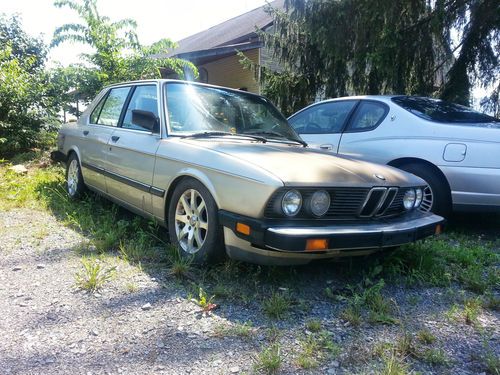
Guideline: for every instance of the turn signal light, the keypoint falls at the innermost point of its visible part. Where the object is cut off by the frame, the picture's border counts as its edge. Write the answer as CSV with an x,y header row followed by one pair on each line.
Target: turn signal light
x,y
316,244
243,229
438,229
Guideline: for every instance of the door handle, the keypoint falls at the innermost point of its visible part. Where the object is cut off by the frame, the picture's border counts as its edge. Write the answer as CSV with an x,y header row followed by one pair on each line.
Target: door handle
x,y
114,138
85,132
326,147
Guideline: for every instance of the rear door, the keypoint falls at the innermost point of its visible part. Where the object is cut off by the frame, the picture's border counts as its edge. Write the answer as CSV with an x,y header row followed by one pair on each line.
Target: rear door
x,y
96,135
321,125
132,149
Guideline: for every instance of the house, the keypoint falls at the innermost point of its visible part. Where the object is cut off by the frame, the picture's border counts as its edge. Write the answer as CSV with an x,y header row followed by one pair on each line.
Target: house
x,y
214,51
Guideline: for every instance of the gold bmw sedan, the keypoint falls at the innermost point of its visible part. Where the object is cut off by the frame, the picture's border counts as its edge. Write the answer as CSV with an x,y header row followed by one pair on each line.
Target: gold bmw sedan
x,y
225,173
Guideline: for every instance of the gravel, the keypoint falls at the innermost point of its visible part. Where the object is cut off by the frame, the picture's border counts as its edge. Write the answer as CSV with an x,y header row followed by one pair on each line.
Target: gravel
x,y
49,326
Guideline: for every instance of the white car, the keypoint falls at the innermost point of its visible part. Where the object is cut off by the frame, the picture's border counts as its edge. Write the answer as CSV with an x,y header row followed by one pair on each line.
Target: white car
x,y
455,149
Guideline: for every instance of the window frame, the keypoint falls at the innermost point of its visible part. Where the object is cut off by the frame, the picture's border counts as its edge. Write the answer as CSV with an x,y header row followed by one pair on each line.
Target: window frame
x,y
133,88
348,127
346,121
104,98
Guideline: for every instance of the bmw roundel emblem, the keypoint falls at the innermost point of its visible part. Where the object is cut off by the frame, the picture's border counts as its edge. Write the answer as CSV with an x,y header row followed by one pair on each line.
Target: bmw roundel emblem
x,y
380,177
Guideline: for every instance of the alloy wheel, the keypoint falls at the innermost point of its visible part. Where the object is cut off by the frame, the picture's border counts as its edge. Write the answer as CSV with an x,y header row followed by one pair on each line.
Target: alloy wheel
x,y
427,199
73,175
191,221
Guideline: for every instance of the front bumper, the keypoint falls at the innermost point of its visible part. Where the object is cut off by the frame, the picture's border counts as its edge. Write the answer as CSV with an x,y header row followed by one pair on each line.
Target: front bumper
x,y
289,238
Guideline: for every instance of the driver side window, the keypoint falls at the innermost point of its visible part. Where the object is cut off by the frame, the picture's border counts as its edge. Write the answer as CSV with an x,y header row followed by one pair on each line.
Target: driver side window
x,y
325,118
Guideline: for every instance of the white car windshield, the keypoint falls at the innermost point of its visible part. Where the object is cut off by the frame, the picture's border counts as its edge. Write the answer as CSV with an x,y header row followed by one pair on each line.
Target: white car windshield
x,y
196,109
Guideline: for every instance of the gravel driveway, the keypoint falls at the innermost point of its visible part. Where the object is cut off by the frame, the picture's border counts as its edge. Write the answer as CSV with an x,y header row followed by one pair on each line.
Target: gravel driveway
x,y
143,322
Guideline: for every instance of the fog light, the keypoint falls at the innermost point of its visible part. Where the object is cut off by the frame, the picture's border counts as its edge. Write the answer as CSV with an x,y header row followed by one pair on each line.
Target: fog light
x,y
243,229
316,244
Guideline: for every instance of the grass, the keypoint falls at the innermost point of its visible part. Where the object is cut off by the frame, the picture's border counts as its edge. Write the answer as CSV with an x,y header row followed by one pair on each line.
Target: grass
x,y
93,275
439,262
313,325
277,306
369,294
436,357
393,364
426,337
269,360
244,330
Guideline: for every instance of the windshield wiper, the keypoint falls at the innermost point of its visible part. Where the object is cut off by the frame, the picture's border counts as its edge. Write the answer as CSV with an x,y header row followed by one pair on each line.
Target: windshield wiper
x,y
208,134
278,135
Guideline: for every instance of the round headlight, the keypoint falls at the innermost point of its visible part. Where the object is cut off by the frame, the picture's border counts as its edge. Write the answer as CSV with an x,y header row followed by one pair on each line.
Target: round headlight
x,y
291,203
320,203
418,199
409,199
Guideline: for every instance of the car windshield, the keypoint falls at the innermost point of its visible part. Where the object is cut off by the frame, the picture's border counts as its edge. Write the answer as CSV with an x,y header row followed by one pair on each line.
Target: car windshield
x,y
441,111
194,109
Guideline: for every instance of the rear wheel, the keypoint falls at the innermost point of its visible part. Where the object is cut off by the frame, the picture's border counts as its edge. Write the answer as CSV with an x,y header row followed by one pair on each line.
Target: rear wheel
x,y
437,195
74,178
193,222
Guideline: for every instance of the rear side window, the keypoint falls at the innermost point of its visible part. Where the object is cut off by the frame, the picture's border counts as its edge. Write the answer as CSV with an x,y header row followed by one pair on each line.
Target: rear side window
x,y
112,107
368,116
325,118
144,98
441,111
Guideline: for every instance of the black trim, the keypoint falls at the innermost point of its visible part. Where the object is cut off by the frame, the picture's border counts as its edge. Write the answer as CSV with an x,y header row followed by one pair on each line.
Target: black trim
x,y
261,237
127,181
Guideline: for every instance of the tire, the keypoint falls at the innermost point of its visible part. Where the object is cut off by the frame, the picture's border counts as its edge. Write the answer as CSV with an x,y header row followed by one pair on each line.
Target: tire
x,y
75,186
195,229
437,197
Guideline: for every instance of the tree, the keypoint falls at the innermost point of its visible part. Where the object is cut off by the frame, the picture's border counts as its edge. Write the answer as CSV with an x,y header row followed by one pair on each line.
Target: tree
x,y
118,55
25,107
343,47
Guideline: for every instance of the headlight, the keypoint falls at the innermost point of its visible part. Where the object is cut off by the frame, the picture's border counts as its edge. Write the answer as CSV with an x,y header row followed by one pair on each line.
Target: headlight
x,y
409,199
418,199
320,203
291,203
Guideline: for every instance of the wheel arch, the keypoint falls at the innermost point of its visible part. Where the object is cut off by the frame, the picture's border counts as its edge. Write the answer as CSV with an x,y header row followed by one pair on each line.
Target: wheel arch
x,y
74,150
189,173
398,163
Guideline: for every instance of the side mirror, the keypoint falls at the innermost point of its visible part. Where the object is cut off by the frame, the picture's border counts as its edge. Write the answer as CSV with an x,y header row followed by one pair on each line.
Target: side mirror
x,y
146,119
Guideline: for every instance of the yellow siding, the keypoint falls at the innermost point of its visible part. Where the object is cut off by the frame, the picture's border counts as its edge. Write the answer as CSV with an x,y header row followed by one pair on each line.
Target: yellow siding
x,y
230,73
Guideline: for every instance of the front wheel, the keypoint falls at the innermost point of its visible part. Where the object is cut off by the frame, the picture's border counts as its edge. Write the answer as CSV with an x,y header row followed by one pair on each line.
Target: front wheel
x,y
74,178
193,223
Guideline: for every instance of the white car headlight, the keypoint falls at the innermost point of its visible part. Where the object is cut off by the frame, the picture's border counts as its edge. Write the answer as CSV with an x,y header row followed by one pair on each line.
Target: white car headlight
x,y
419,196
291,203
409,199
320,203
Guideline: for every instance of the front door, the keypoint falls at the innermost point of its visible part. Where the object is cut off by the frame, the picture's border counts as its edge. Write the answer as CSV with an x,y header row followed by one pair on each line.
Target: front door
x,y
321,125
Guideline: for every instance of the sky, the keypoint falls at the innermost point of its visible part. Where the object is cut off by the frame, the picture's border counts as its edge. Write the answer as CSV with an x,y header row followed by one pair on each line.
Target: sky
x,y
156,19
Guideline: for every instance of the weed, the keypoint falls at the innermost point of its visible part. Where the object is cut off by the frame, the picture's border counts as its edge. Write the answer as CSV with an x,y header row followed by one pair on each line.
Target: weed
x,y
180,266
426,337
93,275
313,325
277,305
435,357
352,314
394,365
491,362
204,301
308,355
471,311
269,359
131,287
243,330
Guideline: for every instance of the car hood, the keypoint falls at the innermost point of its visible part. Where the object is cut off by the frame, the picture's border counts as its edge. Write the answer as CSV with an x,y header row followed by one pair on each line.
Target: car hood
x,y
299,166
